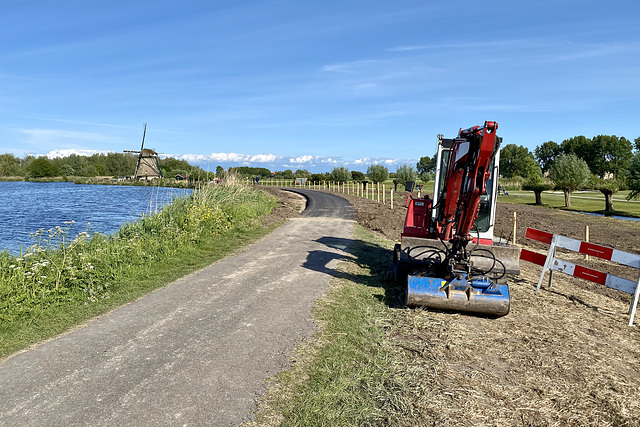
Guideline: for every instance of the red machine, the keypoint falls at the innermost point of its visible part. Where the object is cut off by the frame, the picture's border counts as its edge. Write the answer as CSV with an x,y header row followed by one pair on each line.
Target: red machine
x,y
447,252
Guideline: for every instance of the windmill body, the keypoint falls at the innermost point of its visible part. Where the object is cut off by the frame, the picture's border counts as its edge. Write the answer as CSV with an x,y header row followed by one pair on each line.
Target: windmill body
x,y
148,166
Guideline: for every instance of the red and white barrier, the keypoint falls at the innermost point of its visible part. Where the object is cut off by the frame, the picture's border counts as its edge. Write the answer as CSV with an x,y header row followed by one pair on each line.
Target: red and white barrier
x,y
551,263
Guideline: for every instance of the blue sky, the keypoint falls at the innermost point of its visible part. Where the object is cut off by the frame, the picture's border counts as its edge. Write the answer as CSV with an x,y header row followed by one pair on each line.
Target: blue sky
x,y
311,85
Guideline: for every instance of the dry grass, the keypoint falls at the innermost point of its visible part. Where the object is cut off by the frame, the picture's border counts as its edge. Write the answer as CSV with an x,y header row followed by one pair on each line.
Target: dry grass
x,y
561,357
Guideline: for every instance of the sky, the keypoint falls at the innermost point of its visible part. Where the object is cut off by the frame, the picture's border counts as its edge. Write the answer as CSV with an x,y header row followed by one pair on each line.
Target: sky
x,y
311,85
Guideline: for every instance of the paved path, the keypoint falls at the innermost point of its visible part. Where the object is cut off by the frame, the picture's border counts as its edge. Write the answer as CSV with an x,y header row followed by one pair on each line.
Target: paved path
x,y
194,353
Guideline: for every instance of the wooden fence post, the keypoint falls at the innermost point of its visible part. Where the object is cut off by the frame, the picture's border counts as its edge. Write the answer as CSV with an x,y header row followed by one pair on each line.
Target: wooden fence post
x,y
586,232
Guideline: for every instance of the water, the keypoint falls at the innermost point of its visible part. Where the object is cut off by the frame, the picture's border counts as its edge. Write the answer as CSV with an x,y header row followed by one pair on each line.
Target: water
x,y
26,207
629,218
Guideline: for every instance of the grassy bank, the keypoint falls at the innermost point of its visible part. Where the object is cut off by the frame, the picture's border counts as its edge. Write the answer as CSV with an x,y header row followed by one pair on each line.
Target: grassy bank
x,y
63,280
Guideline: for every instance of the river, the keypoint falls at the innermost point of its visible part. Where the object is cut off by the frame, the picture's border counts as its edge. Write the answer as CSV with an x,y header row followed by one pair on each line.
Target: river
x,y
26,207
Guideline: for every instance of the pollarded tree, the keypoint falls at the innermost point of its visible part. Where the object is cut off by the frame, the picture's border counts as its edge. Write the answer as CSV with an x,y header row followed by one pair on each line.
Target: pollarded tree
x,y
537,184
608,187
340,174
569,173
405,173
377,173
517,160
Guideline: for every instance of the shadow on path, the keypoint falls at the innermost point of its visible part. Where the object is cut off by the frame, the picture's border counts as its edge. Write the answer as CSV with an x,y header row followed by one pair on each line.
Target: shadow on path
x,y
375,258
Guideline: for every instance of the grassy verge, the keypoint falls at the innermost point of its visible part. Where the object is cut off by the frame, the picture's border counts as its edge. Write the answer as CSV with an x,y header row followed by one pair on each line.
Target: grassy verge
x,y
62,281
345,376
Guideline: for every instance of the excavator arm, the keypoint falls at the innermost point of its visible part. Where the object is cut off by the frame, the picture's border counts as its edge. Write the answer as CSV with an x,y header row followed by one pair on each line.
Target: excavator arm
x,y
465,182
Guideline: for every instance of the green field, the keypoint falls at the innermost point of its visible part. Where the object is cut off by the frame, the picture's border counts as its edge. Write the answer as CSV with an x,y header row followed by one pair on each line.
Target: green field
x,y
583,201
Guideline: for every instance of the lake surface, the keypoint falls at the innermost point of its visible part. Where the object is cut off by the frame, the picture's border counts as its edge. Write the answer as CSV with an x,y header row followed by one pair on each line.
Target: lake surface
x,y
26,207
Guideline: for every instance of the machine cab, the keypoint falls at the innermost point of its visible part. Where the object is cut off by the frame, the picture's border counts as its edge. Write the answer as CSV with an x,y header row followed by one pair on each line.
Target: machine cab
x,y
484,223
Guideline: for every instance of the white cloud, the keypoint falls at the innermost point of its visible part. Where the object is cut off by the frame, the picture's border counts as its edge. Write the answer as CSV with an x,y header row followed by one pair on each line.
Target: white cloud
x,y
262,158
301,159
69,151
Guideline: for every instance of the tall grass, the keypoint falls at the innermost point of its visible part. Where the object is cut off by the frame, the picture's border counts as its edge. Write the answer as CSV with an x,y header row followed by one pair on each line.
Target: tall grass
x,y
60,272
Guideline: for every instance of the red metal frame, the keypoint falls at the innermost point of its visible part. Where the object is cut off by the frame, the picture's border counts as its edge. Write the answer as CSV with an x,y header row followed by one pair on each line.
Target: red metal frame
x,y
465,182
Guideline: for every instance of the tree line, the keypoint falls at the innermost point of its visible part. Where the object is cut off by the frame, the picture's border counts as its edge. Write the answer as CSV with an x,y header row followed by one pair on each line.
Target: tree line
x,y
376,173
607,163
109,164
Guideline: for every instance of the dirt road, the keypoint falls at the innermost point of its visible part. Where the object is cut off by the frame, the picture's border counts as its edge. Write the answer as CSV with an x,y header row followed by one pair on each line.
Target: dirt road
x,y
193,353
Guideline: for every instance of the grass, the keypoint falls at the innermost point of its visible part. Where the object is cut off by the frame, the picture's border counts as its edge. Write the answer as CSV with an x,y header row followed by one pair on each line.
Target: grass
x,y
64,280
583,201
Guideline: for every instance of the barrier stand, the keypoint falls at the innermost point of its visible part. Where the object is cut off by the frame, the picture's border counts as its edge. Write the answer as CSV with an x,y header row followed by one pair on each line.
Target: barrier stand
x,y
551,263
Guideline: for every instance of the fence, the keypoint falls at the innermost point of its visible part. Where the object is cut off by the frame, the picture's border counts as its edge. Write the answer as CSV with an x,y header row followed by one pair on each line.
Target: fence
x,y
551,263
373,191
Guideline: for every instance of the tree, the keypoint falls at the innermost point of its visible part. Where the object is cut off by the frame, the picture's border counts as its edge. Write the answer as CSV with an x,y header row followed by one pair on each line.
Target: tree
x,y
319,177
302,173
220,173
357,176
377,173
287,174
545,153
610,155
253,172
67,170
43,167
608,187
340,174
426,167
637,143
517,160
537,184
405,173
9,165
633,180
569,173
25,163
580,145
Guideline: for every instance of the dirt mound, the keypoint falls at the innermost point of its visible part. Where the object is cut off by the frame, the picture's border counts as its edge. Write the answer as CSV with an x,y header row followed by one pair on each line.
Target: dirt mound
x,y
289,205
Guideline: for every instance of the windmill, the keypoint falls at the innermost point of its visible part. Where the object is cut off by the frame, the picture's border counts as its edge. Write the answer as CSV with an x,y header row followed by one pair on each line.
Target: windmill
x,y
148,166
